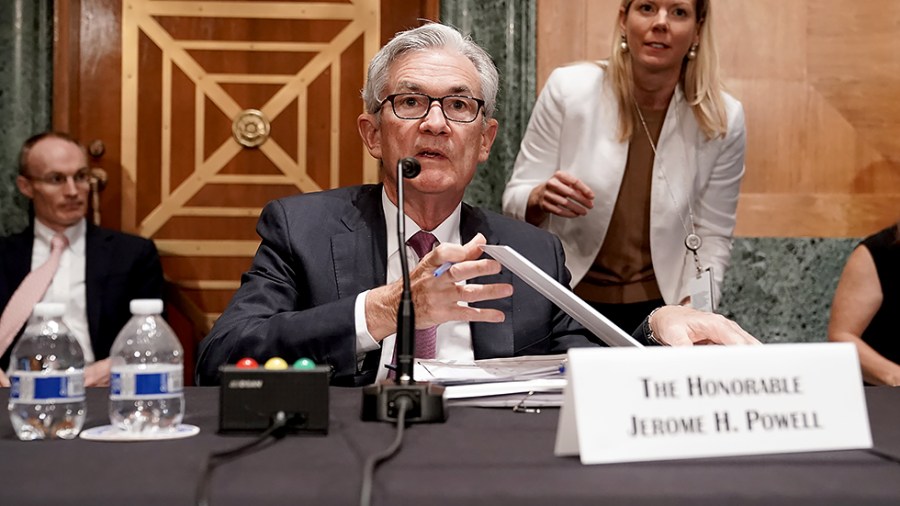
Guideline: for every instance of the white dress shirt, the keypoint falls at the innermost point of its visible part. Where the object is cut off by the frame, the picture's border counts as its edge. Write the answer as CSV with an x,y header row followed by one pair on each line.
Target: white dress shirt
x,y
68,285
454,339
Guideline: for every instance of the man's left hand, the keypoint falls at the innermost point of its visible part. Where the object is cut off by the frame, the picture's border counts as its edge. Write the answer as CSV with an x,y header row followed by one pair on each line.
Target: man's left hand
x,y
97,374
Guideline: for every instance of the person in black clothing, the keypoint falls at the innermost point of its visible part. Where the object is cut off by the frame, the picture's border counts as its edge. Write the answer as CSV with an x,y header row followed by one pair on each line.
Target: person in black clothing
x,y
866,298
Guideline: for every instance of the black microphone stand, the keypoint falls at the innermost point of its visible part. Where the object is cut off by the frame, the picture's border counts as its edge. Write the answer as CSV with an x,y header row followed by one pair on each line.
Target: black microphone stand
x,y
425,401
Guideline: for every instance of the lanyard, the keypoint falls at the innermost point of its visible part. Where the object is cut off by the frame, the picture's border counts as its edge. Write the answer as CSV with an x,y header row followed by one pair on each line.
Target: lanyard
x,y
692,241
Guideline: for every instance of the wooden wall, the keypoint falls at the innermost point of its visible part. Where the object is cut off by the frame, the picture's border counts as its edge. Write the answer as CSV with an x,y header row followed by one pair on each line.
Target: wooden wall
x,y
820,84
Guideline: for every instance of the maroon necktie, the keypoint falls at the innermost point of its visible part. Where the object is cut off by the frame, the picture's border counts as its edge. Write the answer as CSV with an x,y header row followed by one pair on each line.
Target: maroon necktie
x,y
29,293
426,339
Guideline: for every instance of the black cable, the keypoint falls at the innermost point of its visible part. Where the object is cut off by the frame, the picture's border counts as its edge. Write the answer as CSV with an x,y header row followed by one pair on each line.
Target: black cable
x,y
216,459
365,497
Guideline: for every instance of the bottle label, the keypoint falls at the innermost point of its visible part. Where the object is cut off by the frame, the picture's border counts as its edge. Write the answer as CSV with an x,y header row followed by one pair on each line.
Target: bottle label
x,y
46,387
142,381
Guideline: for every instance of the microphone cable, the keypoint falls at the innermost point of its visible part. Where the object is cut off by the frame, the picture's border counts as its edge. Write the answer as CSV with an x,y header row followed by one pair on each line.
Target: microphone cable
x,y
365,497
216,459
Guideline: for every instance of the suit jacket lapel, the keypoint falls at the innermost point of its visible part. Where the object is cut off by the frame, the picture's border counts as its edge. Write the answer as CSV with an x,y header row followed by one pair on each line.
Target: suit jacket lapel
x,y
359,254
359,257
97,260
18,264
15,264
488,339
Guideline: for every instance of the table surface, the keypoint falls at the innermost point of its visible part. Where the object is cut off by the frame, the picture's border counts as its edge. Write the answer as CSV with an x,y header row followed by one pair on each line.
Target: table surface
x,y
479,457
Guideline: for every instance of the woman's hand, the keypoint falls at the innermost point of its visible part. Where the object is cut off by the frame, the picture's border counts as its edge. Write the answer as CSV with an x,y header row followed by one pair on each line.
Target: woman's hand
x,y
563,195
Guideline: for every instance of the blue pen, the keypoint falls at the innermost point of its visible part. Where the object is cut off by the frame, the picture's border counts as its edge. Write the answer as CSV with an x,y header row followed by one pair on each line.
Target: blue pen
x,y
443,268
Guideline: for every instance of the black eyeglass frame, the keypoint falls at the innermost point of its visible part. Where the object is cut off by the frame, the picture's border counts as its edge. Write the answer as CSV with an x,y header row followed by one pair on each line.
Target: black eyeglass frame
x,y
439,100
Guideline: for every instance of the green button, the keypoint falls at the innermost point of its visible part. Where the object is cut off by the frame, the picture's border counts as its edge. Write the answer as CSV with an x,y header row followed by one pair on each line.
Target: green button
x,y
304,363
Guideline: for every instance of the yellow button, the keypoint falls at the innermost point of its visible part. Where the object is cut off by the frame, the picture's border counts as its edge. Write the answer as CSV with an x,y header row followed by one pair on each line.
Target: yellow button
x,y
276,363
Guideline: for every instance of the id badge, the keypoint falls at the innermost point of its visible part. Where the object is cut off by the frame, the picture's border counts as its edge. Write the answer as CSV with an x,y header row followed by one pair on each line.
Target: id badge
x,y
700,287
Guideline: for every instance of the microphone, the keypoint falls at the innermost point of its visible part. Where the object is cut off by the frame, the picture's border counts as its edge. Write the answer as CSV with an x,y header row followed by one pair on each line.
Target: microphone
x,y
408,168
425,401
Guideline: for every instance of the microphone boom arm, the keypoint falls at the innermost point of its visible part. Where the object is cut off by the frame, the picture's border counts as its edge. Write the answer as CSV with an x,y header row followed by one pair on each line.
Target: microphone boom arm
x,y
406,318
381,400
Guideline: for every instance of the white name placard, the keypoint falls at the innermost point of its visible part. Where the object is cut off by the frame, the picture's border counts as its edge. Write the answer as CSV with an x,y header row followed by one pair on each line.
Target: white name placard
x,y
628,404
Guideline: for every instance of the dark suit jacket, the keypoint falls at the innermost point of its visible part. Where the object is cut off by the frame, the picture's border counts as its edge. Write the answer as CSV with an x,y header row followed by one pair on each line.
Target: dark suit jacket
x,y
320,250
119,267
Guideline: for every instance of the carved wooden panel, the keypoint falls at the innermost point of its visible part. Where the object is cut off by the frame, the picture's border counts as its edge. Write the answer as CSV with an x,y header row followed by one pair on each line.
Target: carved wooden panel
x,y
201,78
160,84
818,80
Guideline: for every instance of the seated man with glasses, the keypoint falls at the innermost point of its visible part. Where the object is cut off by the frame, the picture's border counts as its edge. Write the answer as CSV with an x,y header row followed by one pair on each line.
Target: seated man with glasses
x,y
325,282
99,271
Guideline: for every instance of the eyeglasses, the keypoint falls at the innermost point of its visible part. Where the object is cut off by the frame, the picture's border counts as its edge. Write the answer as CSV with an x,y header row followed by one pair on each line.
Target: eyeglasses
x,y
458,108
57,179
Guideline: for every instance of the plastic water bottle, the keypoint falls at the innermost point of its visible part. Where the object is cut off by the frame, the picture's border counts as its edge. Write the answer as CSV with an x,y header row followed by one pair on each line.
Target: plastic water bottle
x,y
46,400
147,363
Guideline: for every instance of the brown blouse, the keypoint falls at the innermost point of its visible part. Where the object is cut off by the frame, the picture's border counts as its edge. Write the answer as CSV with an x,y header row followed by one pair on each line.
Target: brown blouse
x,y
623,272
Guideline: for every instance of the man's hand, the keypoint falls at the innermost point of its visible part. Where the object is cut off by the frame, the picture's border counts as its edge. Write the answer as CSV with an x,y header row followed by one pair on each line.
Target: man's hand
x,y
436,299
97,374
684,326
4,381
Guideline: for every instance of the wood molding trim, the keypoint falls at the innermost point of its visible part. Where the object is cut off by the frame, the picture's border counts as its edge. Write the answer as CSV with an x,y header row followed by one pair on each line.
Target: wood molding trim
x,y
66,63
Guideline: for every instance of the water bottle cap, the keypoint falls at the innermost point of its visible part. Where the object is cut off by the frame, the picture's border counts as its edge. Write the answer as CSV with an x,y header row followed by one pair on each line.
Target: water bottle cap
x,y
146,306
49,309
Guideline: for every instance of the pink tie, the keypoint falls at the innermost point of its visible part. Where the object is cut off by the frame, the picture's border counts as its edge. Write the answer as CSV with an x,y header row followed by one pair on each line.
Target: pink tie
x,y
30,293
426,339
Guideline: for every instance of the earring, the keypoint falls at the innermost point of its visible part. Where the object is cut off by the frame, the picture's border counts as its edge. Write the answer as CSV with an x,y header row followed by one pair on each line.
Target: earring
x,y
693,52
623,44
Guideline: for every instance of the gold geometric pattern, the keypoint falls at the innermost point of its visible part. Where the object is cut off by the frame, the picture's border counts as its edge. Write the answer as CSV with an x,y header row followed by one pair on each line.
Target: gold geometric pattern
x,y
141,18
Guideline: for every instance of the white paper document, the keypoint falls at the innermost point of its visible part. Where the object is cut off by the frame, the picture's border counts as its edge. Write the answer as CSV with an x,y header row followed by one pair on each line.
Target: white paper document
x,y
500,382
560,295
450,372
554,385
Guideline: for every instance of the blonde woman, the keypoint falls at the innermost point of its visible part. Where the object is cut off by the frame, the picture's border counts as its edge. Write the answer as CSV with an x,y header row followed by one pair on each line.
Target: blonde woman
x,y
636,164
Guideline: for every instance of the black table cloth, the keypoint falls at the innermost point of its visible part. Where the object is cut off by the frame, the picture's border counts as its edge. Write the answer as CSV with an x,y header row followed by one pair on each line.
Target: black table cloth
x,y
479,457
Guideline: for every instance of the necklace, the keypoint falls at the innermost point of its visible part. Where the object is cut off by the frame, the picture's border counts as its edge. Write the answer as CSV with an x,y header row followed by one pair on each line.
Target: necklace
x,y
692,241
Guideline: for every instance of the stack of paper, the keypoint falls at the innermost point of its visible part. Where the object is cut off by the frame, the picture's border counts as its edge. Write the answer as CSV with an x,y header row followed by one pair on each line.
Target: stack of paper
x,y
520,381
527,381
562,296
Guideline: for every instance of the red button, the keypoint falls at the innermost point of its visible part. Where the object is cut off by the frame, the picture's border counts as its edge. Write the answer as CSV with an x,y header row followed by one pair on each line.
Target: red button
x,y
247,363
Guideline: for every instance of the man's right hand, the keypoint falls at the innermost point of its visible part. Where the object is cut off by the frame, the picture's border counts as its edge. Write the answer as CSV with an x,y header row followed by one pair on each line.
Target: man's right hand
x,y
684,326
563,195
436,299
4,381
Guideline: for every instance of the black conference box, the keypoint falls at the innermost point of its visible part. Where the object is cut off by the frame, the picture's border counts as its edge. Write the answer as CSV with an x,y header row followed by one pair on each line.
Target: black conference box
x,y
250,399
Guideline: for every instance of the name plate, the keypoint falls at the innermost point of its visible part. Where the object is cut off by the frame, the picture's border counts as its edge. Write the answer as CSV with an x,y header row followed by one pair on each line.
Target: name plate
x,y
642,404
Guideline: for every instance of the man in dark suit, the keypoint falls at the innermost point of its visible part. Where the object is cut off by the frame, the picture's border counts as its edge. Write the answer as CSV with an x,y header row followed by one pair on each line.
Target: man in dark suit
x,y
325,281
101,270
321,250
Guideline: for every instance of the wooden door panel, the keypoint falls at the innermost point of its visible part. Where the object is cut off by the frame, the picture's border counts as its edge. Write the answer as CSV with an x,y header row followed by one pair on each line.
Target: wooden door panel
x,y
162,85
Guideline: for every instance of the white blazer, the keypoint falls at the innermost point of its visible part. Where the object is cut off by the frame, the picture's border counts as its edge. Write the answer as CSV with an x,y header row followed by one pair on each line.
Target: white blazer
x,y
575,127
